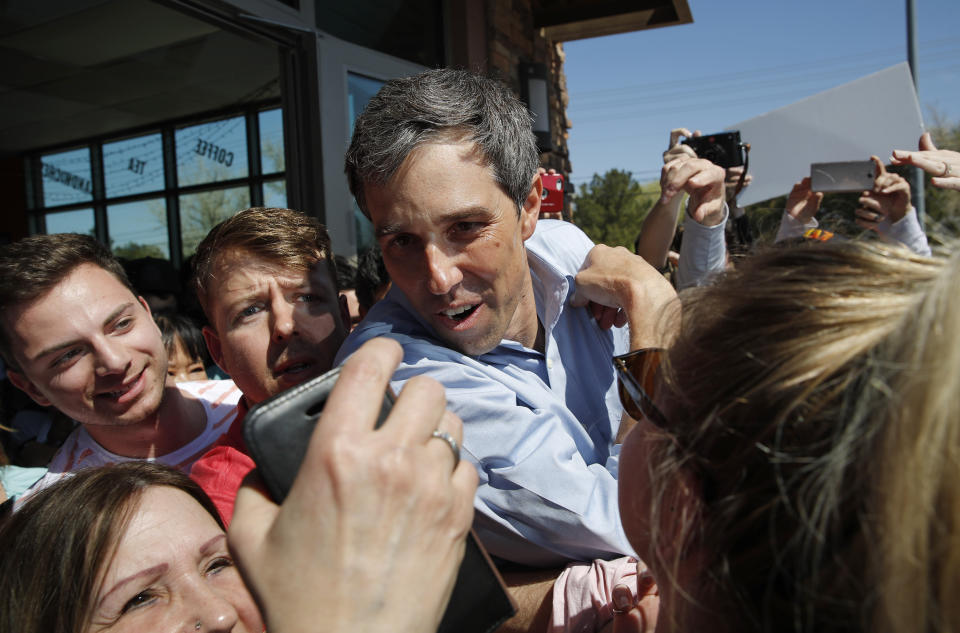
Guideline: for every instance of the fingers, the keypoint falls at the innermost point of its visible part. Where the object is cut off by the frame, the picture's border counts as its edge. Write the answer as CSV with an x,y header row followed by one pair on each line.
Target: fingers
x,y
686,174
675,135
350,407
678,151
418,411
926,143
878,168
254,513
869,203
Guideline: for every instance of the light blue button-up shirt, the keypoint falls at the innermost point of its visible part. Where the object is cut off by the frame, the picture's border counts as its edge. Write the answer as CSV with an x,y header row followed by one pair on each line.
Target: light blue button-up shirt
x,y
540,428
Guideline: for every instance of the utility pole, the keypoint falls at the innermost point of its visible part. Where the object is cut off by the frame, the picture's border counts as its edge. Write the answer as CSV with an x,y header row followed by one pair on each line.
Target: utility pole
x,y
916,184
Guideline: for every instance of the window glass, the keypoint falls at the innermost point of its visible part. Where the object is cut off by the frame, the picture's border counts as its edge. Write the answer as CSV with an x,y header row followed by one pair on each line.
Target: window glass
x,y
271,142
66,177
200,212
211,152
360,90
139,229
79,221
275,193
134,165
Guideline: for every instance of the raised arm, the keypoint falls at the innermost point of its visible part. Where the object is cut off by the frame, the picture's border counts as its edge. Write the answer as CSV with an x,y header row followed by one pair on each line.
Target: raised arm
x,y
656,233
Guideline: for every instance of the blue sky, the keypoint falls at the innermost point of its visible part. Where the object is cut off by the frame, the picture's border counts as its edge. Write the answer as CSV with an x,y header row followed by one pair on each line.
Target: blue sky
x,y
739,59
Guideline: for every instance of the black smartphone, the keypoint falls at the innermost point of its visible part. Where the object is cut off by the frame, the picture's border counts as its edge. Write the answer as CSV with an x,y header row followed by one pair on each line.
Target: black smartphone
x,y
277,432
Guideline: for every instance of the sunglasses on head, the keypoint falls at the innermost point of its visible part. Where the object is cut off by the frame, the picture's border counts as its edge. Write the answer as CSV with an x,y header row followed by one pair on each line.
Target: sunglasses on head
x,y
637,376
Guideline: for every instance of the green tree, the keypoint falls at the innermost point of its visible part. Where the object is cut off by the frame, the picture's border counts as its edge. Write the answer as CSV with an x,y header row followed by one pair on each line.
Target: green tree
x,y
133,250
611,208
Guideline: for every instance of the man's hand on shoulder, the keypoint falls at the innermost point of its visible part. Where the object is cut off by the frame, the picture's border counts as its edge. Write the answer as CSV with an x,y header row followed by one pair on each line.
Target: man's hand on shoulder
x,y
619,287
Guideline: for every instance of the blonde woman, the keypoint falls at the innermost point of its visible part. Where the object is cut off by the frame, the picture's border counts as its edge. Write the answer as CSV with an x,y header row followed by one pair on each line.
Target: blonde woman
x,y
797,466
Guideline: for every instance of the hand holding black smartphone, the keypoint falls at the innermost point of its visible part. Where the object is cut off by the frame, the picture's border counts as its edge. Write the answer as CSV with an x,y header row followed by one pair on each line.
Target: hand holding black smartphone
x,y
277,432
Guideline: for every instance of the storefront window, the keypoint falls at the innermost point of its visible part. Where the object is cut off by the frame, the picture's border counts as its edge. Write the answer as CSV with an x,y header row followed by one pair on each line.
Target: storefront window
x,y
360,90
275,193
78,221
136,196
271,142
66,177
200,212
134,165
139,229
211,152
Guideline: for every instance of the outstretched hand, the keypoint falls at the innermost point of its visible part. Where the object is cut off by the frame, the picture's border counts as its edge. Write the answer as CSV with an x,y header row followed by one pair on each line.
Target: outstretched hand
x,y
802,203
942,164
888,200
372,532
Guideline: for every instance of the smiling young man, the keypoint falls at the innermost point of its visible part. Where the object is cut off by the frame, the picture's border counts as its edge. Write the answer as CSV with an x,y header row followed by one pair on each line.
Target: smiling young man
x,y
75,336
511,316
267,283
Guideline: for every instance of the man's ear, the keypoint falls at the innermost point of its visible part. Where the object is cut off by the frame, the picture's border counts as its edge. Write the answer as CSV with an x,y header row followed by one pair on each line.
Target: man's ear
x,y
530,209
146,306
345,312
214,347
26,385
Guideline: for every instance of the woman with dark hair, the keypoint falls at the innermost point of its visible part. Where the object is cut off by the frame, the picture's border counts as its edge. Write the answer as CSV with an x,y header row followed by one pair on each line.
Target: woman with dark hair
x,y
135,546
796,464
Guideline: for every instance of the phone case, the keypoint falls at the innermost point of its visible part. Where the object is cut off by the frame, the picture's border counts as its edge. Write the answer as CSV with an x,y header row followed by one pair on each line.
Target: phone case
x,y
855,175
277,432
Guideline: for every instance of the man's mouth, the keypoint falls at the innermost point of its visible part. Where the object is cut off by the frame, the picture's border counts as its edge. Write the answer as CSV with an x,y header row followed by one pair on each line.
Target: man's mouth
x,y
461,313
126,392
293,368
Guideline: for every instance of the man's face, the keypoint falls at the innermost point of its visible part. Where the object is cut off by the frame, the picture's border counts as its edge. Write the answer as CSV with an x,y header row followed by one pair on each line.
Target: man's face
x,y
453,242
90,348
272,327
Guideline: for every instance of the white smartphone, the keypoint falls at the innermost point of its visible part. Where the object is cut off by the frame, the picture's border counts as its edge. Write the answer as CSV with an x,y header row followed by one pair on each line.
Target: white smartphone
x,y
857,175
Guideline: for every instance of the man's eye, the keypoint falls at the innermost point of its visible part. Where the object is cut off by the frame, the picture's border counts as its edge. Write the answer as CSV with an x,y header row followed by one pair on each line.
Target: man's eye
x,y
250,311
66,357
467,227
401,241
124,324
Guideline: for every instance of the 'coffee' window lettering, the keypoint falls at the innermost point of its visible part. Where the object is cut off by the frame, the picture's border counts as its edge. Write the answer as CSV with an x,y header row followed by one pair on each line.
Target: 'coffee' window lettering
x,y
214,152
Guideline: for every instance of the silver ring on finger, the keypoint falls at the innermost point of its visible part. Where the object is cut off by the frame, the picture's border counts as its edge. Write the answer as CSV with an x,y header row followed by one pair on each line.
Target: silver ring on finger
x,y
946,169
452,443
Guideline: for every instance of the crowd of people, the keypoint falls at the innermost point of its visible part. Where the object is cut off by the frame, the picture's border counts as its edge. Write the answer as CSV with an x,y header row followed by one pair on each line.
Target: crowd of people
x,y
774,448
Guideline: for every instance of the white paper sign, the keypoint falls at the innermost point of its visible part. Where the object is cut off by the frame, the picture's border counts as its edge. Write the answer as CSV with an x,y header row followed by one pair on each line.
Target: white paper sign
x,y
872,115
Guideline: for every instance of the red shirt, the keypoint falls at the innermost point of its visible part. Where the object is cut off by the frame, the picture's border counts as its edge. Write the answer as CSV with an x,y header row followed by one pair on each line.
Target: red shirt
x,y
221,470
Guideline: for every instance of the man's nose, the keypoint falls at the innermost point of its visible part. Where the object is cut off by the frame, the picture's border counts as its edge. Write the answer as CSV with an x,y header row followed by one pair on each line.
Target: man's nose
x,y
283,319
112,356
442,272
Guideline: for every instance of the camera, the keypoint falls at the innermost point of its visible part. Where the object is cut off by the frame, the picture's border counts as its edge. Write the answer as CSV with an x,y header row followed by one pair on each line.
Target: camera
x,y
723,149
552,201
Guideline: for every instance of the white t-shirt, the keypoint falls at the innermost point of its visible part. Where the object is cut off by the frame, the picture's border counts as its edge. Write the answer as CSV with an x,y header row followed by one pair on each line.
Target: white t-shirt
x,y
219,399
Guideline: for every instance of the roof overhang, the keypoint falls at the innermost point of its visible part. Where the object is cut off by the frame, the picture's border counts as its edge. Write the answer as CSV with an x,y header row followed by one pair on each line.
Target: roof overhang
x,y
565,20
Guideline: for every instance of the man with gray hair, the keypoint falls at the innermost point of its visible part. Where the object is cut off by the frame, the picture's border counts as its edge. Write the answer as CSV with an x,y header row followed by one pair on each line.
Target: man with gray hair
x,y
518,320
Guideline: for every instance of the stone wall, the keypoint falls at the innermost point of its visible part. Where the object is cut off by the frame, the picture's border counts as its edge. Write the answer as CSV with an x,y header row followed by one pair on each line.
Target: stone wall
x,y
512,40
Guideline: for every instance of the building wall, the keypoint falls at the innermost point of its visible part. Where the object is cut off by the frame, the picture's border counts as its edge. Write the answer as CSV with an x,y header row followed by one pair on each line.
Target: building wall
x,y
512,39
